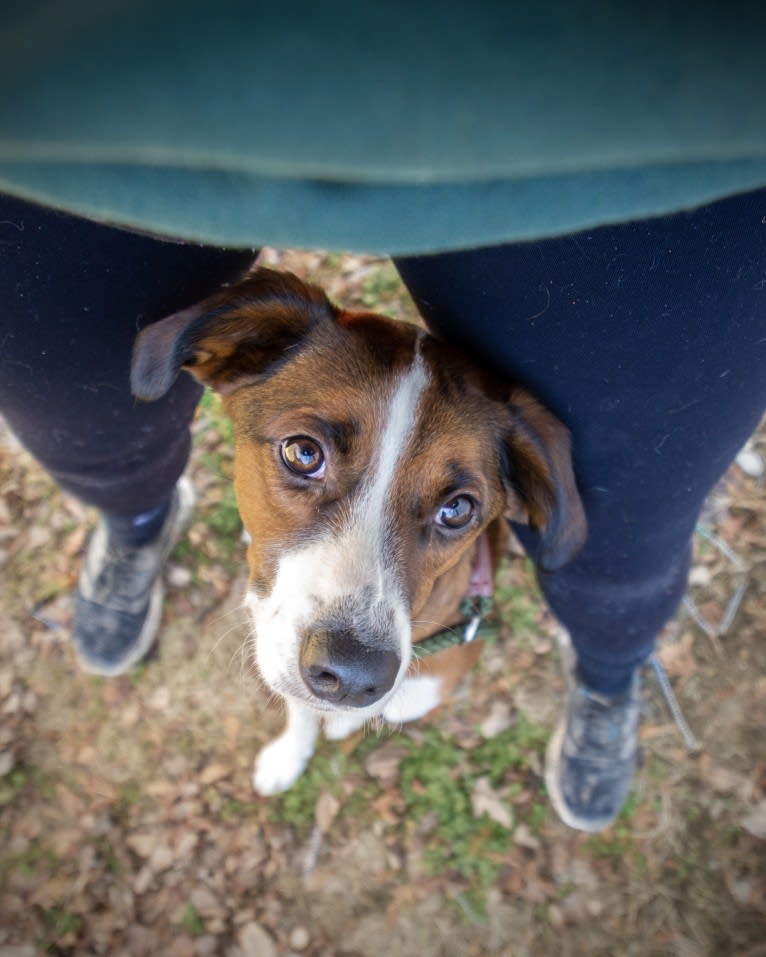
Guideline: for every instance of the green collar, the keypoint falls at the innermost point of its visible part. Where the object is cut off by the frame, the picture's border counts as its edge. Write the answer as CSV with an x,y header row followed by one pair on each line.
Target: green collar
x,y
474,610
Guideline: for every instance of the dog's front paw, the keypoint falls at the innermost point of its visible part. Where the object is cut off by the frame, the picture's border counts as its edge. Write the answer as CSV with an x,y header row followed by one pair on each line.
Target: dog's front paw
x,y
279,765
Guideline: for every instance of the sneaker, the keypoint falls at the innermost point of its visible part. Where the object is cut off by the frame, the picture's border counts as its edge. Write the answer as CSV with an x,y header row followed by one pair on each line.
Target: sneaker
x,y
592,755
119,596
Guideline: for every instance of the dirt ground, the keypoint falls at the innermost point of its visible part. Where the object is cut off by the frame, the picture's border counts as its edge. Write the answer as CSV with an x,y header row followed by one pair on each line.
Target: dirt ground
x,y
128,825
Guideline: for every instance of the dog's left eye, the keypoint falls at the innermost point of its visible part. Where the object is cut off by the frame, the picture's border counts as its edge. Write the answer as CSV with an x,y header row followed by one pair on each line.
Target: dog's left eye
x,y
456,513
303,456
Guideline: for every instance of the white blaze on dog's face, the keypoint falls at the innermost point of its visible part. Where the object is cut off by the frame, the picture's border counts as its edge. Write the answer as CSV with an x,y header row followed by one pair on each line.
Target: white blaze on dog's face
x,y
369,458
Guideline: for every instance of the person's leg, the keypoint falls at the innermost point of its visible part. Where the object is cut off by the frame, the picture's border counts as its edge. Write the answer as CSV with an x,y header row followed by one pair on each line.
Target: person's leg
x,y
74,294
648,340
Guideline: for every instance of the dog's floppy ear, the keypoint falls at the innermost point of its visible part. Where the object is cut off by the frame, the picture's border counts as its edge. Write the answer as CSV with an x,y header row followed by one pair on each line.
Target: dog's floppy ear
x,y
230,339
542,493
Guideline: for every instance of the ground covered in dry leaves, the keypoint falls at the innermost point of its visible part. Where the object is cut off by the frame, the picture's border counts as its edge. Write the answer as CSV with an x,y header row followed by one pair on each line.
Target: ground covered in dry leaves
x,y
128,825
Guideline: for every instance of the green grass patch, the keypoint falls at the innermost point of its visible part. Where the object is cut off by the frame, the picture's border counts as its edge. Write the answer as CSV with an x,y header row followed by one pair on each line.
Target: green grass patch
x,y
27,863
129,796
617,843
192,922
536,817
325,772
224,520
511,750
437,777
437,780
11,786
381,287
15,785
211,408
331,262
518,603
60,922
136,674
131,792
234,809
296,807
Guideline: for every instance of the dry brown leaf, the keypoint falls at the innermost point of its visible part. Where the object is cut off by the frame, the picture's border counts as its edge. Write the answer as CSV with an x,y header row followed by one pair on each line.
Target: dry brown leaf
x,y
130,715
525,838
161,789
206,902
499,719
142,844
143,880
213,773
231,728
52,891
326,811
186,844
485,800
70,802
388,807
254,941
677,657
721,779
162,857
65,841
74,541
7,762
182,946
383,763
700,576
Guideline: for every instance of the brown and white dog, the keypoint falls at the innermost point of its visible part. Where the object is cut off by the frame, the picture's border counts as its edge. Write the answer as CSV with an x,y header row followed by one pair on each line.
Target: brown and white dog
x,y
370,458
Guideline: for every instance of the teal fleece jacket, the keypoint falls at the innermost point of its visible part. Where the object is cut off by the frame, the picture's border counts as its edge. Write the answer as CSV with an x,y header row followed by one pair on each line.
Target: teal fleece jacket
x,y
391,127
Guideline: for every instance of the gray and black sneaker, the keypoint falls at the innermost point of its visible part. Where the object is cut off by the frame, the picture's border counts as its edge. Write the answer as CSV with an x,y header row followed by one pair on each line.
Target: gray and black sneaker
x,y
592,754
119,596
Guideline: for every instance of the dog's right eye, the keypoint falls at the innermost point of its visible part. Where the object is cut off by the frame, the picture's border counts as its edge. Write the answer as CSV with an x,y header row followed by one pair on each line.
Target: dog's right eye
x,y
457,513
303,456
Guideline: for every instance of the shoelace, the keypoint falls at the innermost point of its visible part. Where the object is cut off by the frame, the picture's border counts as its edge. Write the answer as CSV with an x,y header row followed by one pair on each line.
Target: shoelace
x,y
596,728
122,574
119,573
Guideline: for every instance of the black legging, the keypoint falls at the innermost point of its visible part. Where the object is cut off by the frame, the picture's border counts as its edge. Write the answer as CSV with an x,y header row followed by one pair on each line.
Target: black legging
x,y
649,340
73,295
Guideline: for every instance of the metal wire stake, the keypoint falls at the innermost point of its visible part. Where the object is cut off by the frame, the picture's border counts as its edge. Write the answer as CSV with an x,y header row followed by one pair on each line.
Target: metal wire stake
x,y
711,630
675,708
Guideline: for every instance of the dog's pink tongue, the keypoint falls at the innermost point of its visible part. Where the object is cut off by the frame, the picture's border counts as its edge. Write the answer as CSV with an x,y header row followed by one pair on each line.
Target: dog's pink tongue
x,y
482,580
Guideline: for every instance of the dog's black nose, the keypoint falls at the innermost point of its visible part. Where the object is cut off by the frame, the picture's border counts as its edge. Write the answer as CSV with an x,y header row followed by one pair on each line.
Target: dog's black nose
x,y
336,667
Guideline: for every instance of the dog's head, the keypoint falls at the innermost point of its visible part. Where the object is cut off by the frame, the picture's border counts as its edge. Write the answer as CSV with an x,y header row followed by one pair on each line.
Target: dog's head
x,y
369,458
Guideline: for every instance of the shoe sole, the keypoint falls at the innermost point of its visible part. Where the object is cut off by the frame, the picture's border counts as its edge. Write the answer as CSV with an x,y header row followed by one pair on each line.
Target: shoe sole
x,y
140,649
553,753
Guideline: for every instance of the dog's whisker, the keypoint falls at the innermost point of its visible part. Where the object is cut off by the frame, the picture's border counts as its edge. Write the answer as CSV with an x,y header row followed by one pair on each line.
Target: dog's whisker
x,y
224,634
233,618
237,654
432,621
